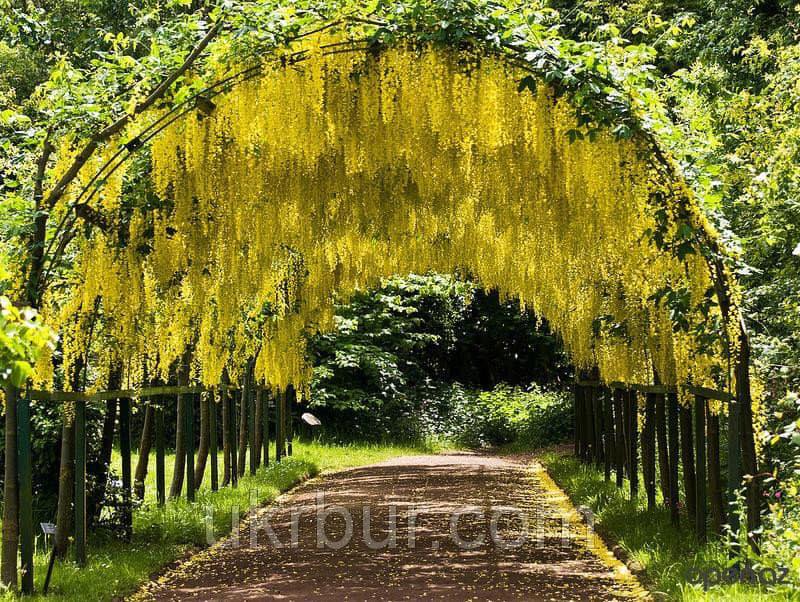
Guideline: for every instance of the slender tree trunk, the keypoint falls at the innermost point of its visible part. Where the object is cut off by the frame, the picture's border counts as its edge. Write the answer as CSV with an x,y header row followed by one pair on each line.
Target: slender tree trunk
x,y
10,494
66,473
259,437
101,463
145,445
687,457
180,449
66,485
205,444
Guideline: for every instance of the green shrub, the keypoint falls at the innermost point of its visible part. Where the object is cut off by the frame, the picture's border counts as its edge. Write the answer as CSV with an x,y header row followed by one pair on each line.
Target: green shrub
x,y
505,415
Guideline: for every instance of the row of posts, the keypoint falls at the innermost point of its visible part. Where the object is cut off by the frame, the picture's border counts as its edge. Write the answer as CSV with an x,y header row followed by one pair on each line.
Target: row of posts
x,y
283,435
607,434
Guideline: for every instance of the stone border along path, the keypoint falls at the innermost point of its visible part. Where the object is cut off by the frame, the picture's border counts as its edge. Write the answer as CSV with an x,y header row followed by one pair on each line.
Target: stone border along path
x,y
558,559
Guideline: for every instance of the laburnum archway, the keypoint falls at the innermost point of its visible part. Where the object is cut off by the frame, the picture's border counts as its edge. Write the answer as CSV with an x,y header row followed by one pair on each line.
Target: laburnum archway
x,y
334,162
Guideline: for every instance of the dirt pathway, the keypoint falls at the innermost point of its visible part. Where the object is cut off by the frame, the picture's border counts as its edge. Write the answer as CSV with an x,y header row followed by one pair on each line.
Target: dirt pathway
x,y
468,527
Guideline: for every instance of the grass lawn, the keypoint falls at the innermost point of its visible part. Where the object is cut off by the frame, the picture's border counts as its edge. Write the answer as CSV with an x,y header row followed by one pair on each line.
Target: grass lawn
x,y
163,534
667,554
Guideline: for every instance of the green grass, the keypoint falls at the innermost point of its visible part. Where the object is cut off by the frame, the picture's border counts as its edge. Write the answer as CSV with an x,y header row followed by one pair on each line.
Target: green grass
x,y
666,553
164,534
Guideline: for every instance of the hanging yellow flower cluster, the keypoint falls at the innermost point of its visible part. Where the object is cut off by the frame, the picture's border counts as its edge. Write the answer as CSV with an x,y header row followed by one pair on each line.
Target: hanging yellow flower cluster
x,y
318,178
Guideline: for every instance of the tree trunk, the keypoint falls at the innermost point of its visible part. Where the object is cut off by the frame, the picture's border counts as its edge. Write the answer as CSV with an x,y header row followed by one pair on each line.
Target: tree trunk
x,y
145,445
10,494
101,463
66,486
205,444
687,458
180,449
66,473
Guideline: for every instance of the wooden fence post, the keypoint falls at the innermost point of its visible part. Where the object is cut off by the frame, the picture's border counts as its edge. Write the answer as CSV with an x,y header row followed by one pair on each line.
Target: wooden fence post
x,y
265,427
619,422
649,450
291,399
234,440
125,452
80,482
597,412
701,484
633,469
25,490
251,427
578,420
661,444
278,425
674,457
189,445
687,457
608,429
734,462
714,476
213,441
161,481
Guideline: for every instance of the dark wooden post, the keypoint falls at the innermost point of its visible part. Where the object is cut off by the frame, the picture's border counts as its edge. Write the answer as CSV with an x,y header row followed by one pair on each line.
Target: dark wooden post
x,y
714,476
633,469
649,450
291,399
259,421
619,422
701,485
213,441
687,457
279,432
734,462
608,428
265,427
188,400
234,440
80,482
251,428
578,420
597,412
125,452
161,481
25,490
661,444
674,455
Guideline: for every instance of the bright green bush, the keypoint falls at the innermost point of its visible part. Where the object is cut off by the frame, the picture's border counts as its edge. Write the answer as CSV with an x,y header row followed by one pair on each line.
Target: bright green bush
x,y
505,415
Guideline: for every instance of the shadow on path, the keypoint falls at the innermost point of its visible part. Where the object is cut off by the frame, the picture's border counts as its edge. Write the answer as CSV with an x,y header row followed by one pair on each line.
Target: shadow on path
x,y
468,527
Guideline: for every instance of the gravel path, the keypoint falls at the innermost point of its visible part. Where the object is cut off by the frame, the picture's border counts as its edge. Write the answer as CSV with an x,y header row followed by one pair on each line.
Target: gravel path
x,y
468,527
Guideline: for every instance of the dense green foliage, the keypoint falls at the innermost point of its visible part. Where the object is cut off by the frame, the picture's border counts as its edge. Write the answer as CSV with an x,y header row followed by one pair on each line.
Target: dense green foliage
x,y
388,369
